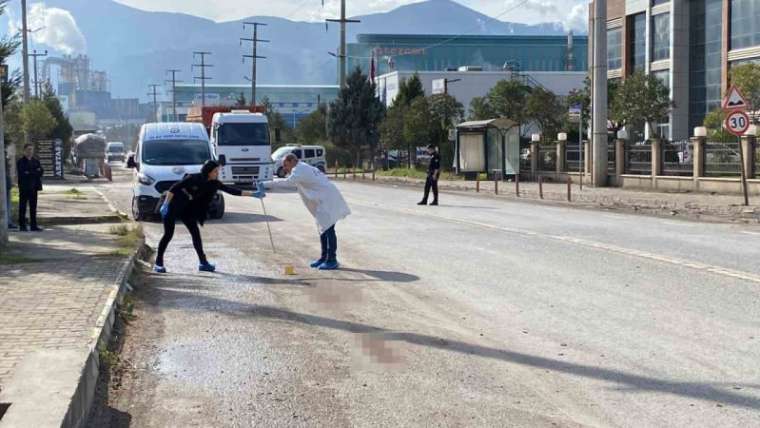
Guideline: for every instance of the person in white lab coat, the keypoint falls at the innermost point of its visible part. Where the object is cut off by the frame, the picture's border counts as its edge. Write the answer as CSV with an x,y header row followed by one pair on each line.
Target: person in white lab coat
x,y
323,199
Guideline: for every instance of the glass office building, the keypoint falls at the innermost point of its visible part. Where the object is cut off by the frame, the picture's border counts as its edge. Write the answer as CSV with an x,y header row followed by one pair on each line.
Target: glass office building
x,y
406,52
690,45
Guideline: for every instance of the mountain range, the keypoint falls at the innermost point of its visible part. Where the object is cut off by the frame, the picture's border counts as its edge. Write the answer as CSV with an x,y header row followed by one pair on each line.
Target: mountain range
x,y
136,46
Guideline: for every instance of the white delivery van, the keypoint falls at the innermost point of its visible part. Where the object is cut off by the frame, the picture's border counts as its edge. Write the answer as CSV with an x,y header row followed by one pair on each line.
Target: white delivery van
x,y
312,155
115,151
165,153
242,143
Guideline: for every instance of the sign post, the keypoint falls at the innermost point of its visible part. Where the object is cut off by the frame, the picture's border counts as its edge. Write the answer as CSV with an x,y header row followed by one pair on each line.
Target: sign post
x,y
737,122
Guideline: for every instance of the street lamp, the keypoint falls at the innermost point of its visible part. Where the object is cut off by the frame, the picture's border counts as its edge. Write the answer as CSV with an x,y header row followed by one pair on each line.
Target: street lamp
x,y
700,131
535,138
562,136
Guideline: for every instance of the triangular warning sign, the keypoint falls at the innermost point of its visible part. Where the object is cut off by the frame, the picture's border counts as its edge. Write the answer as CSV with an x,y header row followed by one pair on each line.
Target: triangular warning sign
x,y
734,100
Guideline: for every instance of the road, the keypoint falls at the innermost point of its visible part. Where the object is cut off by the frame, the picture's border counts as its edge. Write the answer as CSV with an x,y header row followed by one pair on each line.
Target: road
x,y
478,312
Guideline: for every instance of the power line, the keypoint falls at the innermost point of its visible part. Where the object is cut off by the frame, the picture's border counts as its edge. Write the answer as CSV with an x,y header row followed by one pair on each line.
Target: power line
x,y
342,54
254,54
203,66
174,81
37,87
154,94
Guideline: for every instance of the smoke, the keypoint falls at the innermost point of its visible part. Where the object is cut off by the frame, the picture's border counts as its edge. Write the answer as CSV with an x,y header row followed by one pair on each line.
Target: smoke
x,y
55,28
577,19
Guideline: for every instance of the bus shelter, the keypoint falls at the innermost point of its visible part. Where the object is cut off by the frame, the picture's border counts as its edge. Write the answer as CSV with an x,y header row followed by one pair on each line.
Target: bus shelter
x,y
488,146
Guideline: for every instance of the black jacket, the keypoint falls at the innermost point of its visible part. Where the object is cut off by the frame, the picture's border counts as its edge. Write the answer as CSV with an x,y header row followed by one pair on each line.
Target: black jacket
x,y
193,195
435,164
29,175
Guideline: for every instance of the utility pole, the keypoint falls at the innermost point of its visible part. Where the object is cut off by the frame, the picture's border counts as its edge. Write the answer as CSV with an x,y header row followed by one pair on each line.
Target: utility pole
x,y
254,55
37,86
25,50
342,53
203,66
154,93
599,102
4,196
174,81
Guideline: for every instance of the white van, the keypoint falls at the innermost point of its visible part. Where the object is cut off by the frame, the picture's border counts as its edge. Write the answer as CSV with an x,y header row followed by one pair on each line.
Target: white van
x,y
115,151
312,155
165,153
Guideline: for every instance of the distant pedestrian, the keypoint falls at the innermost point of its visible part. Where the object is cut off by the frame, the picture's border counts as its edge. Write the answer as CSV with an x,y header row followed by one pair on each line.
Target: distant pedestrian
x,y
8,188
323,199
433,174
29,184
189,200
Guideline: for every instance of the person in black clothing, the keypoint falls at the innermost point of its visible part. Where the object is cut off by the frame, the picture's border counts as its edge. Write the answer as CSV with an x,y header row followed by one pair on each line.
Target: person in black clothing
x,y
29,183
433,173
188,200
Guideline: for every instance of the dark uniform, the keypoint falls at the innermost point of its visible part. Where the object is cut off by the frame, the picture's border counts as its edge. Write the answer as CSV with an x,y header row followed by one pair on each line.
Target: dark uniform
x,y
190,204
29,183
432,178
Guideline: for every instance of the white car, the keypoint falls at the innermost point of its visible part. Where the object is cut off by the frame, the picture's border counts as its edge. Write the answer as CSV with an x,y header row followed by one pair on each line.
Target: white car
x,y
166,152
312,155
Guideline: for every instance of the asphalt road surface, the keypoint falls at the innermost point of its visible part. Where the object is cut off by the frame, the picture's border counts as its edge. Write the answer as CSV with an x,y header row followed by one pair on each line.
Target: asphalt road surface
x,y
478,312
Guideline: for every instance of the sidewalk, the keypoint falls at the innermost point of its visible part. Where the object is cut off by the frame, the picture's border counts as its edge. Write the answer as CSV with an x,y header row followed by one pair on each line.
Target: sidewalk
x,y
702,206
58,290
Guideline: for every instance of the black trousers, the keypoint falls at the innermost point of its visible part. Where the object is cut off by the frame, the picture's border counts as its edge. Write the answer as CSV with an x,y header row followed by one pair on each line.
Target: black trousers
x,y
192,226
431,183
30,199
329,243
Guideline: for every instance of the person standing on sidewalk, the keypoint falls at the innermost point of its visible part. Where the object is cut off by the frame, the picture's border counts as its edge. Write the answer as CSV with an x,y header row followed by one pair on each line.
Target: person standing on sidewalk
x,y
323,200
189,200
29,184
433,174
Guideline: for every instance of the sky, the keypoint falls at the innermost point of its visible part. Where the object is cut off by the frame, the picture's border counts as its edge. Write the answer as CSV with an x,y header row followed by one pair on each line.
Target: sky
x,y
570,12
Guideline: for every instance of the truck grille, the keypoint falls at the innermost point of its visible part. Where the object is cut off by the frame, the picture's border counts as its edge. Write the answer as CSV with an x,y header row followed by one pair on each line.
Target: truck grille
x,y
245,170
163,186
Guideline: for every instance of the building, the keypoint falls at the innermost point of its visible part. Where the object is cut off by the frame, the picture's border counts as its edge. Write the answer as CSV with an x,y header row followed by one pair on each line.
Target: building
x,y
471,84
407,52
294,102
690,44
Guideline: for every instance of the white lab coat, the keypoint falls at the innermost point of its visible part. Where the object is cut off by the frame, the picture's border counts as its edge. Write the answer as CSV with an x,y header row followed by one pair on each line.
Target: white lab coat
x,y
321,197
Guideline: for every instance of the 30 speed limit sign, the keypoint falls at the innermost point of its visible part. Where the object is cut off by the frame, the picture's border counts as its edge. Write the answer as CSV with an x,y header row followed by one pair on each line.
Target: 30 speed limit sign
x,y
737,122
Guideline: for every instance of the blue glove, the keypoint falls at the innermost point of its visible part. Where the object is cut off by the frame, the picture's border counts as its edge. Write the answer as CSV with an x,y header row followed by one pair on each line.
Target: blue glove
x,y
164,210
259,193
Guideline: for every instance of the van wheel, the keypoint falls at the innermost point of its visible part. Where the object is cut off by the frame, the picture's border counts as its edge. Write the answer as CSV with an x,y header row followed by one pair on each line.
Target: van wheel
x,y
321,168
280,173
137,214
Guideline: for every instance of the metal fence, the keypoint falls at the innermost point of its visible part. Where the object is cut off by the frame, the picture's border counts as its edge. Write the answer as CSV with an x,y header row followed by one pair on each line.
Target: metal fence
x,y
547,157
611,158
573,161
722,159
677,158
638,159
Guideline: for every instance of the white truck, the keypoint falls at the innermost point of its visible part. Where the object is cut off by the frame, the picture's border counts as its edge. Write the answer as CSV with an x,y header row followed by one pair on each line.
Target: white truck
x,y
243,146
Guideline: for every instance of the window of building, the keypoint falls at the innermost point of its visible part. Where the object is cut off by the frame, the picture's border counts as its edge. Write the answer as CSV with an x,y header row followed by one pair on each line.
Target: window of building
x,y
664,76
658,2
745,23
663,128
615,48
705,40
638,41
661,37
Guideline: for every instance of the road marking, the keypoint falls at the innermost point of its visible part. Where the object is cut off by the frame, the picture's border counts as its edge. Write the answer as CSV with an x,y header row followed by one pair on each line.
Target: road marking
x,y
718,270
751,233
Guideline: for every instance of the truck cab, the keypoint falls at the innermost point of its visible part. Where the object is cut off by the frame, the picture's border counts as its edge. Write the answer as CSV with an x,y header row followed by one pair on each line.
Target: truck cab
x,y
243,145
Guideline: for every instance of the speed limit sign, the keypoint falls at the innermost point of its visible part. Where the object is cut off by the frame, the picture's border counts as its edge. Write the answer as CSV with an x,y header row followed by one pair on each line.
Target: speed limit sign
x,y
737,123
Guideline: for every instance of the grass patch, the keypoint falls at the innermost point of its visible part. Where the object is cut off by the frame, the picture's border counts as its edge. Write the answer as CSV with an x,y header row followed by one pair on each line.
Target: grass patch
x,y
75,193
128,238
420,174
12,259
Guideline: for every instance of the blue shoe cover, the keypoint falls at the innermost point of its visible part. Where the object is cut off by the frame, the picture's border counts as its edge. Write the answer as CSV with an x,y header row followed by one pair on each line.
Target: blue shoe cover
x,y
329,265
206,267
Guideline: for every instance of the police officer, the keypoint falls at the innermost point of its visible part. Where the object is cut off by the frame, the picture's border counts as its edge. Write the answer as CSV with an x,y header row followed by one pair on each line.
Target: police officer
x,y
29,183
433,173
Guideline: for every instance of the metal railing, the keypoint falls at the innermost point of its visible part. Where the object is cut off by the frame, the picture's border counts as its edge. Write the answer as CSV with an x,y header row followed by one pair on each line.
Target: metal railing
x,y
547,157
722,159
677,158
573,160
638,159
611,159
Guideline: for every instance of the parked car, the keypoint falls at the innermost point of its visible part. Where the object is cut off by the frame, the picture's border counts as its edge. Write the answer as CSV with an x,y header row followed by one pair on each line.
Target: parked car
x,y
312,155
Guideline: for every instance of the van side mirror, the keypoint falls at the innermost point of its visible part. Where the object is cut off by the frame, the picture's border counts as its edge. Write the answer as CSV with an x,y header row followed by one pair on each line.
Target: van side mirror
x,y
222,160
131,162
277,136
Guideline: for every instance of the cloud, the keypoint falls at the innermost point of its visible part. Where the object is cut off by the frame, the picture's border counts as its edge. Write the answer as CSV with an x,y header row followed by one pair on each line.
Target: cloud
x,y
577,19
544,8
58,29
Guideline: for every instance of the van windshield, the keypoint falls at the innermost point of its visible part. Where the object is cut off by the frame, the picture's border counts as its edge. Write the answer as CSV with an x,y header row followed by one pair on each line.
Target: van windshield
x,y
115,149
175,152
243,134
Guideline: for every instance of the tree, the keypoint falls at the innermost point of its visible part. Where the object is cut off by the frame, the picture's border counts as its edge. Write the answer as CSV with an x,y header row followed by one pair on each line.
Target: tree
x,y
63,129
747,78
277,124
446,112
418,125
392,128
37,121
508,99
641,100
313,128
241,101
714,123
545,109
355,116
409,90
481,109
